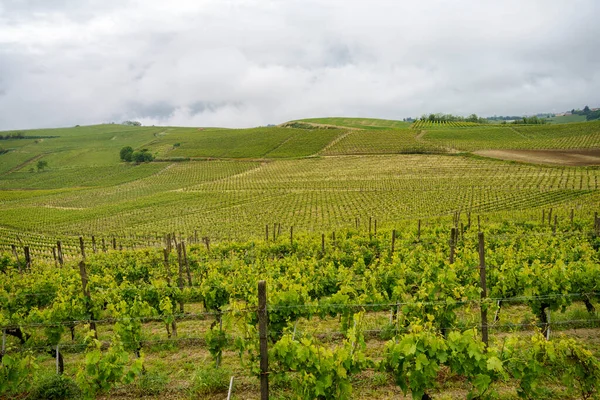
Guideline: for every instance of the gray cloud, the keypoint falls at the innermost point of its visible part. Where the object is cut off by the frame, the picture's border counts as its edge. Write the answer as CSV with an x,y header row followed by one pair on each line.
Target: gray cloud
x,y
245,63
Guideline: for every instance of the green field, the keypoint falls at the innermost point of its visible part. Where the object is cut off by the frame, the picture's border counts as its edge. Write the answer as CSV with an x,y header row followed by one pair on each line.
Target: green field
x,y
365,231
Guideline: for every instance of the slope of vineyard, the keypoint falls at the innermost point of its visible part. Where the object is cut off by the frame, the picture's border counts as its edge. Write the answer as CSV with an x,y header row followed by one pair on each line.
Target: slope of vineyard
x,y
382,142
359,123
420,124
242,143
567,136
232,198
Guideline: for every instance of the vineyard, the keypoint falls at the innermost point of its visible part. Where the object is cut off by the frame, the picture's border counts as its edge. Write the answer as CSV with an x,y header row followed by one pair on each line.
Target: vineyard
x,y
420,124
344,258
359,296
568,136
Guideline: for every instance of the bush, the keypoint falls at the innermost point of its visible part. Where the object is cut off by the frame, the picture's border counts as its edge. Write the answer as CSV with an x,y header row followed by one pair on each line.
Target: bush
x,y
55,387
142,156
210,380
126,153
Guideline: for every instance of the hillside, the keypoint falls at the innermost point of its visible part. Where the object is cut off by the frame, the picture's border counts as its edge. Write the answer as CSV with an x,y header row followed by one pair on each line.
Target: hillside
x,y
369,235
230,181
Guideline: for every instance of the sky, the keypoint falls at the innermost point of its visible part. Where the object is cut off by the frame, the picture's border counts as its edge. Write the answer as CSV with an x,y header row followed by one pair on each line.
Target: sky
x,y
244,63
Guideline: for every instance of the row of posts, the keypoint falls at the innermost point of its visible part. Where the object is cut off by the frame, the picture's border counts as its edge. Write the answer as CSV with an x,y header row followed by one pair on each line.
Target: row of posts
x,y
262,289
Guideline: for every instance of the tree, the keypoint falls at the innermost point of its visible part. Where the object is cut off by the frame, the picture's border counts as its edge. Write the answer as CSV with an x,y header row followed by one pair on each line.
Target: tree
x,y
126,153
142,156
593,115
586,110
41,164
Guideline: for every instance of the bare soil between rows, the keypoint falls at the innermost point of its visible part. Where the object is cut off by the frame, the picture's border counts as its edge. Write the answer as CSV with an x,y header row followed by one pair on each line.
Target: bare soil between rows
x,y
585,157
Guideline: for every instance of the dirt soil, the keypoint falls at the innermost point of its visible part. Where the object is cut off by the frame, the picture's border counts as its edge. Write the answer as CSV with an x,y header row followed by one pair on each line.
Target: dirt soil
x,y
553,157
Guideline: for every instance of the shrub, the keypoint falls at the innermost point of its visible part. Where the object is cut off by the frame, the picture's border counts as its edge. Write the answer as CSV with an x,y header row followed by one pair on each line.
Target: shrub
x,y
126,153
142,156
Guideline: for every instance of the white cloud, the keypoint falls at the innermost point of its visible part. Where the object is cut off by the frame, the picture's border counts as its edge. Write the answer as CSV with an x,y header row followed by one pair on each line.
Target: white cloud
x,y
244,63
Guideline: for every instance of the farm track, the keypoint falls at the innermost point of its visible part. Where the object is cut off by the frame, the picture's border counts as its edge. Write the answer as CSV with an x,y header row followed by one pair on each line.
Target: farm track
x,y
23,164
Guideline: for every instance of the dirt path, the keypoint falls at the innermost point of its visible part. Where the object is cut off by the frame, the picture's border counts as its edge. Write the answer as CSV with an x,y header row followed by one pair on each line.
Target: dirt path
x,y
552,157
420,135
23,164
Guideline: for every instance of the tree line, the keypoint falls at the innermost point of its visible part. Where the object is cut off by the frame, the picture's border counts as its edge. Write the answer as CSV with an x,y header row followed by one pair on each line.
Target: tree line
x,y
589,114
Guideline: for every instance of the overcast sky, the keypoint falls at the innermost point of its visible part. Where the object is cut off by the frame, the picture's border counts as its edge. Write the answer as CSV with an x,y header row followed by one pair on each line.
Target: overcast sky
x,y
241,63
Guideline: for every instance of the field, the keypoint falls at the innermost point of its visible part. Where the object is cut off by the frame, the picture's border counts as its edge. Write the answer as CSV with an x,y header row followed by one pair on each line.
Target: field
x,y
565,119
365,231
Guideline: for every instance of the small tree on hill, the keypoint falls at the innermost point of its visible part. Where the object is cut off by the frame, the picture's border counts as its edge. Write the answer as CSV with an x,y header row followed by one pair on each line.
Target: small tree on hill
x,y
41,165
126,153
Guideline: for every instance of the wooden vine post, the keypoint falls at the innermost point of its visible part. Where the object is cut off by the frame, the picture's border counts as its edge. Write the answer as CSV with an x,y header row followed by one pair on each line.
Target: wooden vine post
x,y
484,323
266,232
323,244
291,236
543,217
54,256
88,297
452,244
61,258
263,335
187,264
393,242
180,278
82,247
27,258
572,214
168,273
94,243
419,231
